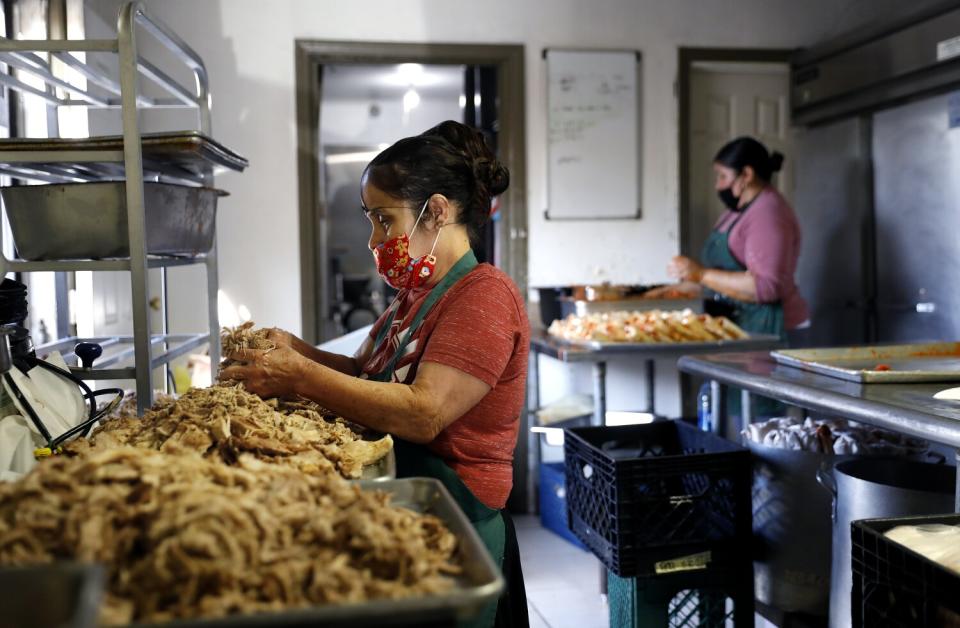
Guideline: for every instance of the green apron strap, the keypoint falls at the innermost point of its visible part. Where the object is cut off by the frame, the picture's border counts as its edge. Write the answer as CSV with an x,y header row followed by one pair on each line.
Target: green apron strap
x,y
758,318
417,461
463,266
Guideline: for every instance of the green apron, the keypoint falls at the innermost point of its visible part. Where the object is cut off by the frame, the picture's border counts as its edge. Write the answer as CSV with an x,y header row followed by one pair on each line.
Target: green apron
x,y
758,318
415,460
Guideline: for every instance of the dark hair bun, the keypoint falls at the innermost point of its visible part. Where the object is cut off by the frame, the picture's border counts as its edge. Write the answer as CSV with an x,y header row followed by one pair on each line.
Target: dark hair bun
x,y
776,161
492,175
452,159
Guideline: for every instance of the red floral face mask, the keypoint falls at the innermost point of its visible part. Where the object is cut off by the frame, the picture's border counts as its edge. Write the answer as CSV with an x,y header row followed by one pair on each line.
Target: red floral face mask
x,y
395,265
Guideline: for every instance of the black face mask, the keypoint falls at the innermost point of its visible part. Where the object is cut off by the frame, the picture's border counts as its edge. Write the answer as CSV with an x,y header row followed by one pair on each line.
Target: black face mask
x,y
728,199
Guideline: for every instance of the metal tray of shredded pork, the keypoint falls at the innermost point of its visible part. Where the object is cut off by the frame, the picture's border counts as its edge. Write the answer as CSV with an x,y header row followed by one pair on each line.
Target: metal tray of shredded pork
x,y
480,583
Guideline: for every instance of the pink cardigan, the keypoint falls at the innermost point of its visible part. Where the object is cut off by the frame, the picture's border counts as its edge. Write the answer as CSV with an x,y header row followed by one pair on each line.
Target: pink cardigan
x,y
767,241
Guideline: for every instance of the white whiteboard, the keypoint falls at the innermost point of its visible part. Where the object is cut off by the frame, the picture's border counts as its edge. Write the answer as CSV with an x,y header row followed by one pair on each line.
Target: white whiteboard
x,y
593,145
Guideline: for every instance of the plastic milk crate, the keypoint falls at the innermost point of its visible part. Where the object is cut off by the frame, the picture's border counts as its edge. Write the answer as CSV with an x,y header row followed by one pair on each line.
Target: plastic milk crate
x,y
894,586
715,598
659,499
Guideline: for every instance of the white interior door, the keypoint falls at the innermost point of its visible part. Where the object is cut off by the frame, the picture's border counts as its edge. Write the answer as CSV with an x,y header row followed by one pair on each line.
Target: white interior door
x,y
728,100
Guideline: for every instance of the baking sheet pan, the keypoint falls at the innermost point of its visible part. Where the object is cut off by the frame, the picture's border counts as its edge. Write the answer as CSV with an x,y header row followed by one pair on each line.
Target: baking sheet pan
x,y
722,345
177,155
480,582
907,363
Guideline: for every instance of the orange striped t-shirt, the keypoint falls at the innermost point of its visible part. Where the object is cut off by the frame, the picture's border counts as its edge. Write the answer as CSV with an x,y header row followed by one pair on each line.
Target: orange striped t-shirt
x,y
479,327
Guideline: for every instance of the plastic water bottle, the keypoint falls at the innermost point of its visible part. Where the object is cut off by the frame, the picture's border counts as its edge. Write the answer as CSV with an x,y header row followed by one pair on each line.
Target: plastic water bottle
x,y
704,403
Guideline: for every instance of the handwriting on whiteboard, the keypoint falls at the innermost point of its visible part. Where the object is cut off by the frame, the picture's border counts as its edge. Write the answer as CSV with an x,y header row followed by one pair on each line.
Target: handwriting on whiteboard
x,y
592,133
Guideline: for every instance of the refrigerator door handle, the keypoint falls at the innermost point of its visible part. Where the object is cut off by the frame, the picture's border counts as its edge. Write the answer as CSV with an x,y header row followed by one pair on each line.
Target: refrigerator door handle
x,y
923,307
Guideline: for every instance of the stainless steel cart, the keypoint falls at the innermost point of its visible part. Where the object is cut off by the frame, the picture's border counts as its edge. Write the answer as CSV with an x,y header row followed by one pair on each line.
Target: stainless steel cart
x,y
60,161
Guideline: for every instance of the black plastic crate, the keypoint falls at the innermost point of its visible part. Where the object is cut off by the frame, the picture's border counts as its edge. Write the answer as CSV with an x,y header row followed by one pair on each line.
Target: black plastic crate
x,y
640,496
701,599
894,586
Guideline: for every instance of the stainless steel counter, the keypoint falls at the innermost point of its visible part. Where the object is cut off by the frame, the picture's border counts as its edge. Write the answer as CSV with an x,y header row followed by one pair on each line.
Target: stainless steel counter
x,y
906,408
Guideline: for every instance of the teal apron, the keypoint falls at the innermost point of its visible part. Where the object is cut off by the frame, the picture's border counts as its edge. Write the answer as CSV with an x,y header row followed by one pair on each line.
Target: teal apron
x,y
417,461
757,318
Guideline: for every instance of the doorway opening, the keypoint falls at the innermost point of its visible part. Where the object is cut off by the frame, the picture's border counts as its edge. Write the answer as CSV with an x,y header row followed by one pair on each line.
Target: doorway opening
x,y
353,100
724,94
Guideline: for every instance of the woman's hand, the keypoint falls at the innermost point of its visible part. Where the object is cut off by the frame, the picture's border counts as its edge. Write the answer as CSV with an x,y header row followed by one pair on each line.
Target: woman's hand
x,y
281,338
272,373
683,268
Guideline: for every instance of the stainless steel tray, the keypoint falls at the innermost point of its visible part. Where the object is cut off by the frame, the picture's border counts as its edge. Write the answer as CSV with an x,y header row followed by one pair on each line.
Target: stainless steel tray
x,y
177,156
699,347
480,583
925,362
67,221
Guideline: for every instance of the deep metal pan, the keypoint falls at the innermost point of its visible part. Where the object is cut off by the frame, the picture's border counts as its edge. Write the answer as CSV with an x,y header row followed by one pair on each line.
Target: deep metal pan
x,y
67,221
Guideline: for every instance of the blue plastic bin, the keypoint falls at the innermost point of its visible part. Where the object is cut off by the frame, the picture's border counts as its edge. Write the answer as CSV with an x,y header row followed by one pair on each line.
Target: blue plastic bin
x,y
553,501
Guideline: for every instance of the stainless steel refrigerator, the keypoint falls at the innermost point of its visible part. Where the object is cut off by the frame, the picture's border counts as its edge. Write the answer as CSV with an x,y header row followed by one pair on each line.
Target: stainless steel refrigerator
x,y
878,182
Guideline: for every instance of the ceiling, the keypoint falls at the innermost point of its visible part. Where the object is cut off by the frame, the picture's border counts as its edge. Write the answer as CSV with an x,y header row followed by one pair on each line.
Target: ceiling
x,y
358,82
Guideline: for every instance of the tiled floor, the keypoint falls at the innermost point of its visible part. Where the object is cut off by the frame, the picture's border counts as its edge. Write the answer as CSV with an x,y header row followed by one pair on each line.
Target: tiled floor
x,y
562,581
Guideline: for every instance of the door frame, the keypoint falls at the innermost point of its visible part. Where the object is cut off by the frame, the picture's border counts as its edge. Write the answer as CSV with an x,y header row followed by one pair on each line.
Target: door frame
x,y
311,55
687,58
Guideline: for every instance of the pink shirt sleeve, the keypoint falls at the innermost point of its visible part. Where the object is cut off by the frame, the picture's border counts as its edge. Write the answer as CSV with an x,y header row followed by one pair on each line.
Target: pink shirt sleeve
x,y
767,240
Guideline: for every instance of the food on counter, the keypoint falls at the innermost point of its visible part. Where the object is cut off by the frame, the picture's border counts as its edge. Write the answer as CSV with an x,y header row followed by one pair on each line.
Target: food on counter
x,y
882,367
935,541
655,326
226,421
183,536
832,436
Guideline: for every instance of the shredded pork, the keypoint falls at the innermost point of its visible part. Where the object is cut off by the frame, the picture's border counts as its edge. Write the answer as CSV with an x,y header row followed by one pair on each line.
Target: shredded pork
x,y
183,536
225,422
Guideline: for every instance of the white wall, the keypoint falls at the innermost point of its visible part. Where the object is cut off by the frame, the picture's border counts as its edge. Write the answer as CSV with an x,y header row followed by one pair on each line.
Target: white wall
x,y
249,49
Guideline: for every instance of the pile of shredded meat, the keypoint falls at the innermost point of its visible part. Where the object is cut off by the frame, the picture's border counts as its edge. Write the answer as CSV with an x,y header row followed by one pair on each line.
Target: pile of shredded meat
x,y
186,537
224,422
240,338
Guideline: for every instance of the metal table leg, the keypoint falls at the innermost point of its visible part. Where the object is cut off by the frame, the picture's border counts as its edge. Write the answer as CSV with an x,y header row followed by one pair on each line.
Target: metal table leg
x,y
956,499
599,393
533,440
746,408
718,407
651,377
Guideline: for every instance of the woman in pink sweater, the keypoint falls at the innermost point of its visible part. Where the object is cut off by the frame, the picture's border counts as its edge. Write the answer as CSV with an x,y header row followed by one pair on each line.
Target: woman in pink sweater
x,y
747,266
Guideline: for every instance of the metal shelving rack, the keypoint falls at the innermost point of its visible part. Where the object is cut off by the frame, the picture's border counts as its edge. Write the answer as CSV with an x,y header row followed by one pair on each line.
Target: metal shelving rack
x,y
124,95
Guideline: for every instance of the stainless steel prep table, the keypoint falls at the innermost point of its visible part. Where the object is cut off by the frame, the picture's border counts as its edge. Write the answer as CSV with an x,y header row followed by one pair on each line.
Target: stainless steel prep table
x,y
907,408
541,343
